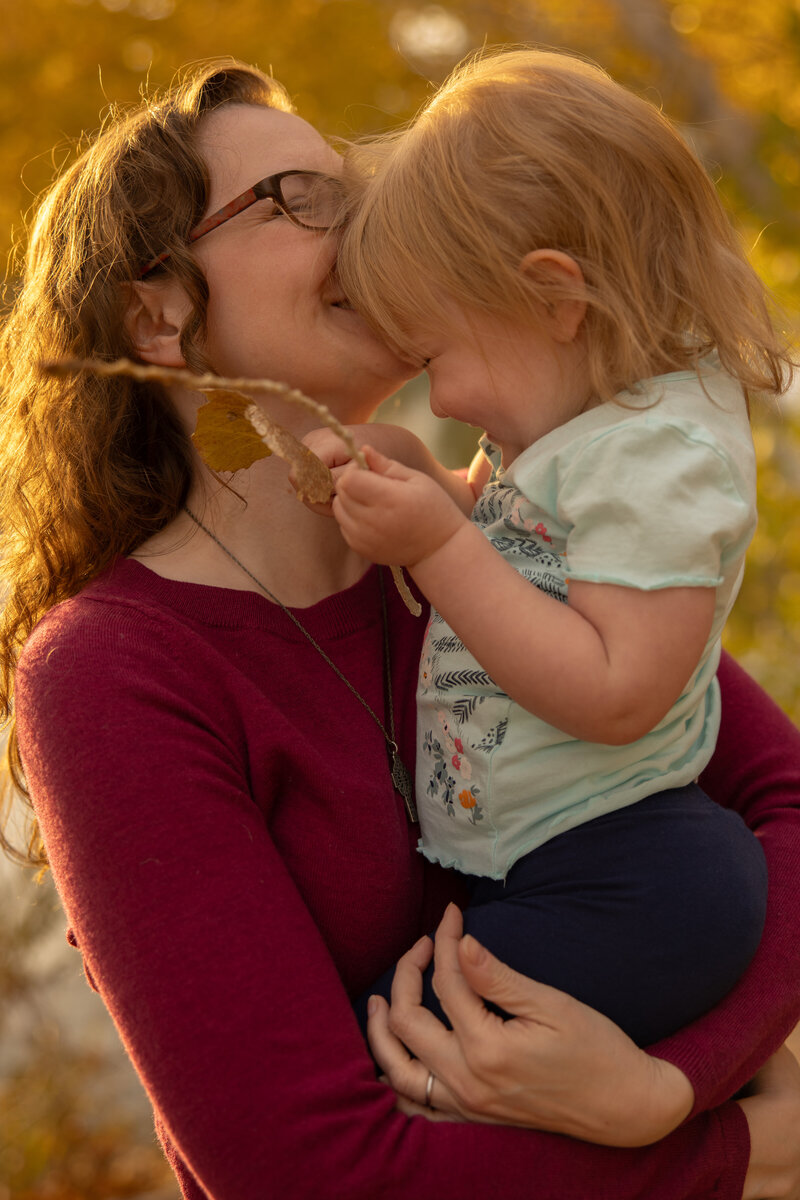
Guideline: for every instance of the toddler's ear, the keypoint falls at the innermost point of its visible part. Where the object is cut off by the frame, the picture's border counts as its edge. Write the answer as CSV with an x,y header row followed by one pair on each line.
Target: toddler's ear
x,y
564,317
154,318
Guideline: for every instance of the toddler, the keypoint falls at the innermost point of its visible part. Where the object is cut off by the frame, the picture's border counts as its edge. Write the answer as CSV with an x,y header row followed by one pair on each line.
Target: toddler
x,y
549,247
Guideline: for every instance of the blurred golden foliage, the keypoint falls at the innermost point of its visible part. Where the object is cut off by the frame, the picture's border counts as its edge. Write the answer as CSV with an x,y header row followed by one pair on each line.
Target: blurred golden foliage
x,y
65,1131
763,631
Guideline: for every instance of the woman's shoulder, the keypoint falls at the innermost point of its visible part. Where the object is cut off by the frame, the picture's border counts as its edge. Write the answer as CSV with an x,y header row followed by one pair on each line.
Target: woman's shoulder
x,y
111,609
116,636
114,658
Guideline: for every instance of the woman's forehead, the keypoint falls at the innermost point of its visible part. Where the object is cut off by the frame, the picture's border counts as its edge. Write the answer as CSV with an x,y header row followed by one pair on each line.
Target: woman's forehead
x,y
244,143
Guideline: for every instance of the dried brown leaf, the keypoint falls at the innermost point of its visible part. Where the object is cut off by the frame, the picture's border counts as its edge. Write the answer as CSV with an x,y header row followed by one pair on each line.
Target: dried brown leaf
x,y
224,435
312,479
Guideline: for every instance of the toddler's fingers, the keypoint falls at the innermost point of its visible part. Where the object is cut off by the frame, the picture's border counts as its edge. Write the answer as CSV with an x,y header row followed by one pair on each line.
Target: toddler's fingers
x,y
328,447
370,488
347,508
379,464
322,510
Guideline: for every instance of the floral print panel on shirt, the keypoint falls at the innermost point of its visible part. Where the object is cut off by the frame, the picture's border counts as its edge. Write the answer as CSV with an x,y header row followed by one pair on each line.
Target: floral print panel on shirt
x,y
463,714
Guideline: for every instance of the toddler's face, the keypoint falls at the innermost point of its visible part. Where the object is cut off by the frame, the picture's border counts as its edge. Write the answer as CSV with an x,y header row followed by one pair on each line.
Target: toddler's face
x,y
507,377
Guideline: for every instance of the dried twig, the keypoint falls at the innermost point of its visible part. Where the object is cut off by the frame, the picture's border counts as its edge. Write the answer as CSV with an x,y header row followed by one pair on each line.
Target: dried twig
x,y
206,383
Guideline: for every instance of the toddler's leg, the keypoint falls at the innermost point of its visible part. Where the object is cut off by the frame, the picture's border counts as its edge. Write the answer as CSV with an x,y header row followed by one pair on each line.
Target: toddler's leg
x,y
649,914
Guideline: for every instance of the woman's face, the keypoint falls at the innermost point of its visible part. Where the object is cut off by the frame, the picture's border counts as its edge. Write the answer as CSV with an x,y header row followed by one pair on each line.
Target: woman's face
x,y
275,306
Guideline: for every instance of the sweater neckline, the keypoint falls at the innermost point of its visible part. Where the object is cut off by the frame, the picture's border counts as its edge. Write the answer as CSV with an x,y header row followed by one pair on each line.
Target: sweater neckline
x,y
342,613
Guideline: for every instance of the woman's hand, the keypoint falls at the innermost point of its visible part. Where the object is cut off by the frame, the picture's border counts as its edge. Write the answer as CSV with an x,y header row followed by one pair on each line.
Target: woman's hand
x,y
558,1065
412,1109
773,1115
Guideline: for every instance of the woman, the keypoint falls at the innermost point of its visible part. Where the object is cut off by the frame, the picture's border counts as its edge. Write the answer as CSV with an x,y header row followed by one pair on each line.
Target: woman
x,y
211,774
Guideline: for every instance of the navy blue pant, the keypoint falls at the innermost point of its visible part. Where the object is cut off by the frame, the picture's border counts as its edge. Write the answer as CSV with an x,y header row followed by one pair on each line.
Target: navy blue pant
x,y
649,914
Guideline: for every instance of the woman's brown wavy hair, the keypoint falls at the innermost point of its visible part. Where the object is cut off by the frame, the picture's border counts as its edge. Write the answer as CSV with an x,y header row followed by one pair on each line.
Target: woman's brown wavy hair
x,y
91,467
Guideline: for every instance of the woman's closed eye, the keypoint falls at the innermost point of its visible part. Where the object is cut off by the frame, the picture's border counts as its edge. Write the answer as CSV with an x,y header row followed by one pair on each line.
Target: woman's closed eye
x,y
316,201
318,208
268,210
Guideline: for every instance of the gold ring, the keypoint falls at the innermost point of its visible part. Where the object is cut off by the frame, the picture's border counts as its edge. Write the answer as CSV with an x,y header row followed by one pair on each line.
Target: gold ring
x,y
429,1089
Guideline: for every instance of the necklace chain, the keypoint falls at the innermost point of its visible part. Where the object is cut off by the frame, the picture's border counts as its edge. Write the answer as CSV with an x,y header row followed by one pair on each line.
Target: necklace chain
x,y
401,778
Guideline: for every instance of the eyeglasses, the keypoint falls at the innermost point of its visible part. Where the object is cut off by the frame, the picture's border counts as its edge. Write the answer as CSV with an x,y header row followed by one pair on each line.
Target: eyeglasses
x,y
310,199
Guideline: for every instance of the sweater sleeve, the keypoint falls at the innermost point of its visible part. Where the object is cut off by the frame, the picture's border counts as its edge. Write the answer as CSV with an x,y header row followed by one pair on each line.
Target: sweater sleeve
x,y
756,771
220,983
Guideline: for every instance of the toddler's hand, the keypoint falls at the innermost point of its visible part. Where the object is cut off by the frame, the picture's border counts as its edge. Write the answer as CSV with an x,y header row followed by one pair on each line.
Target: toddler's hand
x,y
391,514
333,452
329,447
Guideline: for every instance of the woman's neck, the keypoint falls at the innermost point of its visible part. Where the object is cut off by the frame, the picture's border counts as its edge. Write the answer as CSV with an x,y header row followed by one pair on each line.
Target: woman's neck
x,y
298,556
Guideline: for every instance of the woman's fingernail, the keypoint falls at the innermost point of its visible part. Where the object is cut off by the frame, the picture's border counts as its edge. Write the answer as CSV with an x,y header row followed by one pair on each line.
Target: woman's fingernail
x,y
473,951
372,1006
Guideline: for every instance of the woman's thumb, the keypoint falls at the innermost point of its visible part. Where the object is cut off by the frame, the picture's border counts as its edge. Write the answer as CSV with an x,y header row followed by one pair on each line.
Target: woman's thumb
x,y
499,983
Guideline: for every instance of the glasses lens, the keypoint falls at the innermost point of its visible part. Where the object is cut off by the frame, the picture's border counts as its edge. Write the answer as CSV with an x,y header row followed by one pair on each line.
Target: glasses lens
x,y
313,200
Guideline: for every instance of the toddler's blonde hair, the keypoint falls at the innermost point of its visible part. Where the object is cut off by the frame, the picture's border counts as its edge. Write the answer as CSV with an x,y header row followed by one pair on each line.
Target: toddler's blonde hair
x,y
526,149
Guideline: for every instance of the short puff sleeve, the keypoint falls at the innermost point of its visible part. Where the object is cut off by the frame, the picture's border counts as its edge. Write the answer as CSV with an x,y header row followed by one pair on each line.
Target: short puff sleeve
x,y
654,504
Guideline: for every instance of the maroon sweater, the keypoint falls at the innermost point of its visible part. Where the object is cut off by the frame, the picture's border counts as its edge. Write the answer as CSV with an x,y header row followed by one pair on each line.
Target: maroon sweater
x,y
235,865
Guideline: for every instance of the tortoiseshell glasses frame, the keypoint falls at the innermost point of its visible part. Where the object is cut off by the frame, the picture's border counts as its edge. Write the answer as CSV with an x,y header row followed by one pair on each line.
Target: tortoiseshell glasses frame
x,y
310,199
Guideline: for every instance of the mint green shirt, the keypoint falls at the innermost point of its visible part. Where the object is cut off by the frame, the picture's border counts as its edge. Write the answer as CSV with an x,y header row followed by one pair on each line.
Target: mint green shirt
x,y
653,490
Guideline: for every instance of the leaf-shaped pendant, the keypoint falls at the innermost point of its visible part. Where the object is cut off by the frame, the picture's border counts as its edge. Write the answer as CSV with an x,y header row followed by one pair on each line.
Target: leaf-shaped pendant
x,y
403,784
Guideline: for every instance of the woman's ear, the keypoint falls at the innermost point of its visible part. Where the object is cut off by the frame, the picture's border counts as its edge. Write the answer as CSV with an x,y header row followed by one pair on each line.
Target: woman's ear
x,y
154,318
564,317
